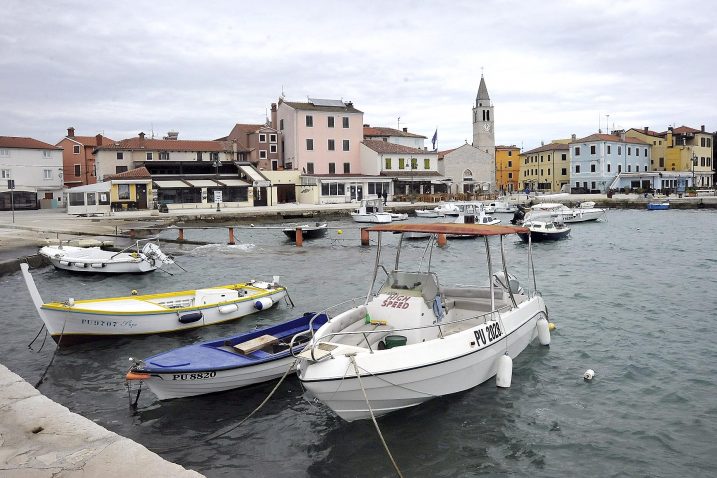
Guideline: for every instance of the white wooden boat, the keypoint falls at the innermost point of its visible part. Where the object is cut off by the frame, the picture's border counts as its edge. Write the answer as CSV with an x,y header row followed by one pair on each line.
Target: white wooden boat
x,y
429,213
500,207
75,321
398,216
307,231
96,260
414,339
371,211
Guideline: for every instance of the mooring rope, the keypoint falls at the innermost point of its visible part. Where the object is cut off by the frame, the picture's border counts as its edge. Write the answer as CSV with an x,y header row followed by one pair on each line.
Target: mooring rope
x,y
52,359
38,334
373,417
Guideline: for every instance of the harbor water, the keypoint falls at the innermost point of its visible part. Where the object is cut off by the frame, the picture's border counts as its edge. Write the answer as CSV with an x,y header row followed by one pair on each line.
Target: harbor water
x,y
633,298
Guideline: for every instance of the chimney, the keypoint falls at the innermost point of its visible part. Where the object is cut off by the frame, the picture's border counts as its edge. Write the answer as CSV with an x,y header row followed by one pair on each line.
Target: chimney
x,y
573,137
350,104
366,125
141,140
646,129
702,128
669,128
405,130
274,121
98,139
70,132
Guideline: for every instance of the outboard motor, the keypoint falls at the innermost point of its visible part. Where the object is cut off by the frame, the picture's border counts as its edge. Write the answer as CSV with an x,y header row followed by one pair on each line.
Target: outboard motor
x,y
518,215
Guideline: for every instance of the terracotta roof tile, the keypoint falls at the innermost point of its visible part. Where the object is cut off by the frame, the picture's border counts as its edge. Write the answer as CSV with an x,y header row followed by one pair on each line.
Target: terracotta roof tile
x,y
16,142
168,145
90,140
684,130
380,131
608,137
137,173
392,148
313,107
548,147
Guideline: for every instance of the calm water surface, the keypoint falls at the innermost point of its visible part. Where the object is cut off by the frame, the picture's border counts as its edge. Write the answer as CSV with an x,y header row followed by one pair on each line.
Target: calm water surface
x,y
633,299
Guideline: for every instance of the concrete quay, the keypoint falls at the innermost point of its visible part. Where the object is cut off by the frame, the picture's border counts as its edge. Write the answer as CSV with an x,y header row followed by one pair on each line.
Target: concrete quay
x,y
40,438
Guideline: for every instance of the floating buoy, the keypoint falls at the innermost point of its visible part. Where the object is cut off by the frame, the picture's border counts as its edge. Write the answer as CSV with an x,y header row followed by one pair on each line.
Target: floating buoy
x,y
339,232
543,331
589,374
228,309
504,374
263,303
134,291
551,326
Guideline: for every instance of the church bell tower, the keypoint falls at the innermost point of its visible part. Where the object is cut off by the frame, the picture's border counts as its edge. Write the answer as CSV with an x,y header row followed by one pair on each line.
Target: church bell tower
x,y
483,121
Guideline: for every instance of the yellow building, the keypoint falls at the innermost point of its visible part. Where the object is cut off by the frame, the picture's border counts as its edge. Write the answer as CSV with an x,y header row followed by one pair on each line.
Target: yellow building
x,y
682,149
546,168
507,168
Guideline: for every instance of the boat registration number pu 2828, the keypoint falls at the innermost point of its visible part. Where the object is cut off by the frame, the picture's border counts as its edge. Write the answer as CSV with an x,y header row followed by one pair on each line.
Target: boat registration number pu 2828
x,y
194,376
487,335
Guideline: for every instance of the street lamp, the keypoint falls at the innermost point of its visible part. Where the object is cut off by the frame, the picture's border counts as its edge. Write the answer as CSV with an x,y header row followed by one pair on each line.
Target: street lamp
x,y
694,163
217,163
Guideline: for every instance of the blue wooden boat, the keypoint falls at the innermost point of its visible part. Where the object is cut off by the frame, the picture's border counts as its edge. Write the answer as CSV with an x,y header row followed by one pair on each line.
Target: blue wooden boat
x,y
658,206
251,357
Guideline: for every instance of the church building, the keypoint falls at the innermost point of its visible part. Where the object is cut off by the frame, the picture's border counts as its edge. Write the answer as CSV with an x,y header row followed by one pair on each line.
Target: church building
x,y
471,167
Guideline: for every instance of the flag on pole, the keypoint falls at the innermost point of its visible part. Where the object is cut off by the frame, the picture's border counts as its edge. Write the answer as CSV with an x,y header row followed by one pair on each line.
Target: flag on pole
x,y
435,138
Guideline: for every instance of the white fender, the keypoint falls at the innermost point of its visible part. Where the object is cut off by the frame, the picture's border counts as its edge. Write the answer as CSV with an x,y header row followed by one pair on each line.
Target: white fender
x,y
263,303
543,331
504,373
228,309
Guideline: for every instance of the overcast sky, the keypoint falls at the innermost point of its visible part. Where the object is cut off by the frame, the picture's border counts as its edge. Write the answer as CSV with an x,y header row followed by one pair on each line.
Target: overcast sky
x,y
552,68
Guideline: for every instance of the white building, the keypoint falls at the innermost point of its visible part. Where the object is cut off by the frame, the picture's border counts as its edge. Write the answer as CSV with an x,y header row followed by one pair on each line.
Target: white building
x,y
396,136
36,170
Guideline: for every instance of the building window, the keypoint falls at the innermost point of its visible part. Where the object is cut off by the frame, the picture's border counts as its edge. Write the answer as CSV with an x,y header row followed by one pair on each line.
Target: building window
x,y
46,154
619,150
645,168
592,185
333,189
592,168
5,173
645,152
47,173
120,155
629,151
164,155
637,152
629,168
541,158
214,156
401,163
426,163
510,153
123,192
262,138
346,145
608,149
4,152
564,171
345,121
510,175
608,167
347,168
577,151
619,168
272,138
76,149
78,170
281,124
309,144
309,121
262,154
548,171
150,156
272,148
592,149
120,169
577,168
310,168
332,145
388,163
332,168
510,164
330,121
564,157
199,155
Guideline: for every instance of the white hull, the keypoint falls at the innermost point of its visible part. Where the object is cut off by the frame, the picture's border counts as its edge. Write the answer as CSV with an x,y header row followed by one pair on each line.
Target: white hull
x,y
407,376
430,213
139,266
376,218
562,213
97,260
177,385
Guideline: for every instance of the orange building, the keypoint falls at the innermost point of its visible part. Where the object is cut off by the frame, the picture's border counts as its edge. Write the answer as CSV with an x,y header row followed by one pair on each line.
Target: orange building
x,y
78,162
507,168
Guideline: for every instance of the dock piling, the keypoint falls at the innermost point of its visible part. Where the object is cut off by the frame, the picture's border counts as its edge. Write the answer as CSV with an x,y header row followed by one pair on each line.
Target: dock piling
x,y
299,237
231,236
364,237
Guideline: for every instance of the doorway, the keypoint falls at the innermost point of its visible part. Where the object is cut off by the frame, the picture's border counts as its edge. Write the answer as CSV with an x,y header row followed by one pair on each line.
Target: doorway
x,y
141,192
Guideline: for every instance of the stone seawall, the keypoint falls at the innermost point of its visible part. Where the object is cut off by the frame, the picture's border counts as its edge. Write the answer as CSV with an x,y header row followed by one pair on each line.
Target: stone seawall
x,y
40,438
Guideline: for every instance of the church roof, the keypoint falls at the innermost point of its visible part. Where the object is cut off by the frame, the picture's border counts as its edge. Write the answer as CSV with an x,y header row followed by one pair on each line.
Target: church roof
x,y
482,90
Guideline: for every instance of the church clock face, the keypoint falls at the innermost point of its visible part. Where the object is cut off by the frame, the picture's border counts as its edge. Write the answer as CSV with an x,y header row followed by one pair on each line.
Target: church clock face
x,y
486,126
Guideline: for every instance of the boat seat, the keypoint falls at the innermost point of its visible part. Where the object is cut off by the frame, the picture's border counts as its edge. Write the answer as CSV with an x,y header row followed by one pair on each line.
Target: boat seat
x,y
472,292
255,344
378,332
478,305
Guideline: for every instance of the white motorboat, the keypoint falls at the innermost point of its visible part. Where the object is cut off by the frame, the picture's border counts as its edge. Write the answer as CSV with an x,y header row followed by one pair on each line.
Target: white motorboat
x,y
544,231
562,213
500,207
414,339
307,231
429,213
371,211
396,216
448,209
75,321
134,259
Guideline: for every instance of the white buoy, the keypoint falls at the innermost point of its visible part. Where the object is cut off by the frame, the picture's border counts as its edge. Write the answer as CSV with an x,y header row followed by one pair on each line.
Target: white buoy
x,y
543,331
263,303
589,374
504,374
